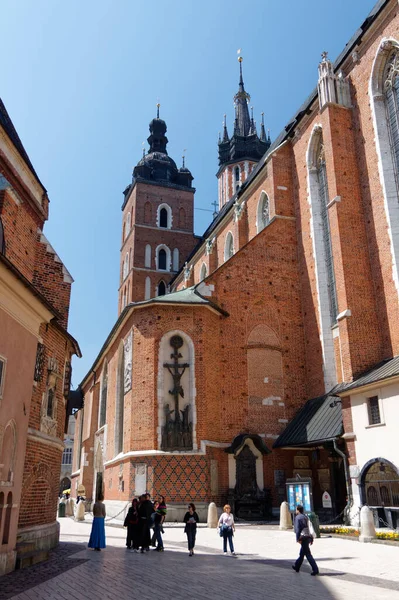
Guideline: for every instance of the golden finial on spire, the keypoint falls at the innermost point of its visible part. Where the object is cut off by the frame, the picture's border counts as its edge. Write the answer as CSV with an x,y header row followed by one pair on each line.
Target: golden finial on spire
x,y
158,105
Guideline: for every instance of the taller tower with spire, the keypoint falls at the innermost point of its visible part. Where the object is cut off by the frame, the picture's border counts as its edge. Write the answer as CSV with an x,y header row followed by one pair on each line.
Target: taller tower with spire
x,y
157,221
239,153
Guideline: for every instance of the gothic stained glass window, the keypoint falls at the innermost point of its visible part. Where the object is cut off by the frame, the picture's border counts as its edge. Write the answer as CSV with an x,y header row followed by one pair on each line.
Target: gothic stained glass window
x,y
324,199
391,92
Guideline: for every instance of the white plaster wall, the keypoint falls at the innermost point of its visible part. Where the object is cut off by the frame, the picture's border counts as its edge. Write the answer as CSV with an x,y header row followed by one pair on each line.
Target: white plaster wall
x,y
381,440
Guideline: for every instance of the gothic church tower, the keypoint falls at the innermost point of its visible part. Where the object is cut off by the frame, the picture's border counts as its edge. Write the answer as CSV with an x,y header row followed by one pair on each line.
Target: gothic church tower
x,y
157,222
239,154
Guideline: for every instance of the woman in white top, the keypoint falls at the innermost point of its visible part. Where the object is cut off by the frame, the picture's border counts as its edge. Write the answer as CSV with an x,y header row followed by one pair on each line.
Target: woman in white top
x,y
227,528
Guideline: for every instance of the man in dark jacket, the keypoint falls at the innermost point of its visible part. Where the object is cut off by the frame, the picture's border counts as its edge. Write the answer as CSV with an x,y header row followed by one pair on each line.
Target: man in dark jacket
x,y
303,537
145,511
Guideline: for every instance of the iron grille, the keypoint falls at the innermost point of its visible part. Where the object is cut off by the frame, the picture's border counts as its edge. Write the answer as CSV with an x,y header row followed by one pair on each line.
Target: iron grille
x,y
40,359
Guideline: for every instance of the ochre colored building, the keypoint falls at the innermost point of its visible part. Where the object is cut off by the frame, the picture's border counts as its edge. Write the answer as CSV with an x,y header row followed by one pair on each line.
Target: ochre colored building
x,y
242,376
35,360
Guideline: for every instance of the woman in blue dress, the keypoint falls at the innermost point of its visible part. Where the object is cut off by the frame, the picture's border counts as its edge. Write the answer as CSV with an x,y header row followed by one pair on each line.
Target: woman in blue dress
x,y
97,536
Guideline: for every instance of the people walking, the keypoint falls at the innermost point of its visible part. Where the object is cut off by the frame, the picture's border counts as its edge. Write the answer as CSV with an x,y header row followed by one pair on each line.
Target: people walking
x,y
133,528
227,528
191,519
304,537
157,523
97,535
145,511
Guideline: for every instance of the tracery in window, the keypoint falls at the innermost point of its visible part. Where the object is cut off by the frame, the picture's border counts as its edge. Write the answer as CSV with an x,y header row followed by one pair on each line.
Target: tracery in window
x,y
324,200
229,246
391,94
263,213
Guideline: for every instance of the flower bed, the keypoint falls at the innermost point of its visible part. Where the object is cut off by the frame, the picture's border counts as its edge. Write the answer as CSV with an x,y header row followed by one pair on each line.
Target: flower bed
x,y
355,532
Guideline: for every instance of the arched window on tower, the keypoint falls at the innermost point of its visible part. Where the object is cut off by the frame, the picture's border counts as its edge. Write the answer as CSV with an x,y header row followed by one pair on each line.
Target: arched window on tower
x,y
130,259
263,214
162,260
229,246
237,174
203,272
163,218
128,293
147,256
161,288
126,266
128,224
2,240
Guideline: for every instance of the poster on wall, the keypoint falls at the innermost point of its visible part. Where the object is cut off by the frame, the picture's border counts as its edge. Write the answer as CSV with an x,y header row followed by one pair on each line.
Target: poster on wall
x,y
291,498
299,493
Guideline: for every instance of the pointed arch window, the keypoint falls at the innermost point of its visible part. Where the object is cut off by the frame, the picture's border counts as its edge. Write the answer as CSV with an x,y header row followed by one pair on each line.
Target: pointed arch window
x,y
203,272
324,199
263,216
104,393
128,224
162,259
2,239
126,266
161,288
391,94
237,174
163,218
229,246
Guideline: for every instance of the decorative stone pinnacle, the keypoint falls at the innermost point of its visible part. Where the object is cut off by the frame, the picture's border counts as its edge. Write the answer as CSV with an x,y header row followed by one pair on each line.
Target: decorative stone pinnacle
x,y
324,56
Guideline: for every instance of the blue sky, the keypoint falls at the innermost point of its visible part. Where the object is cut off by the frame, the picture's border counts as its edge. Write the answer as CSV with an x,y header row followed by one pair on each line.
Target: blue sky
x,y
80,81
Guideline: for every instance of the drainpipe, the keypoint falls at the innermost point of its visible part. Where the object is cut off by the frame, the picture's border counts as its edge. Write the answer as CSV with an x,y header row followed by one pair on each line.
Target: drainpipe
x,y
349,502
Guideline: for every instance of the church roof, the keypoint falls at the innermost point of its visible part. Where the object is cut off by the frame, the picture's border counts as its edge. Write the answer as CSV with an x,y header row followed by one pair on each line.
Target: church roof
x,y
8,126
189,295
316,422
386,369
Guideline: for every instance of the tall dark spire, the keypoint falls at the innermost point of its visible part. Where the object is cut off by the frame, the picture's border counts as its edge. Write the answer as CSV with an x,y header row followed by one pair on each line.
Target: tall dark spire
x,y
225,137
241,100
244,142
262,135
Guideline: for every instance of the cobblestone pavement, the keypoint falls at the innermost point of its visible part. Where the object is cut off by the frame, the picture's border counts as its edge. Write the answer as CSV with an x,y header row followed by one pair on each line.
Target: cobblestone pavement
x,y
261,569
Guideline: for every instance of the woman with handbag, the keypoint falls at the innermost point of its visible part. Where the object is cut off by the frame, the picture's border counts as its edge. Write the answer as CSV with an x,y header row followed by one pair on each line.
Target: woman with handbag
x,y
191,519
227,528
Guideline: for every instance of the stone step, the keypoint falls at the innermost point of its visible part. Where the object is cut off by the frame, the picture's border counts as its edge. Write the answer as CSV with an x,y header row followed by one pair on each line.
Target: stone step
x,y
27,559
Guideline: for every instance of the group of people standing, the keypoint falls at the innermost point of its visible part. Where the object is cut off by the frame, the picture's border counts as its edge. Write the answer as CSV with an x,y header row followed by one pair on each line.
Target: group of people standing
x,y
141,517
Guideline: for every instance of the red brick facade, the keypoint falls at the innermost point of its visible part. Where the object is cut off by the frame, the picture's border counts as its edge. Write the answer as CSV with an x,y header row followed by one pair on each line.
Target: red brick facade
x,y
34,304
265,339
